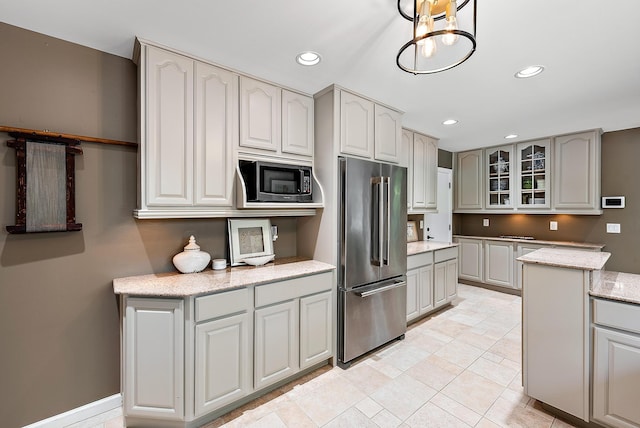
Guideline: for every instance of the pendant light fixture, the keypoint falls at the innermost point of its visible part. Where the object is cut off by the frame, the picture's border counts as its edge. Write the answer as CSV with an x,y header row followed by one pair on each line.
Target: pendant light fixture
x,y
444,34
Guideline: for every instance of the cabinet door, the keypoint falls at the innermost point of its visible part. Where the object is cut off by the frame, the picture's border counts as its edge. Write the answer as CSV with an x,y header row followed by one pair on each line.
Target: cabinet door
x,y
425,285
413,296
469,180
297,123
498,257
169,128
616,378
316,328
500,166
154,358
431,175
407,162
452,279
276,343
216,130
425,172
532,180
388,134
470,256
356,125
260,109
223,362
576,171
440,284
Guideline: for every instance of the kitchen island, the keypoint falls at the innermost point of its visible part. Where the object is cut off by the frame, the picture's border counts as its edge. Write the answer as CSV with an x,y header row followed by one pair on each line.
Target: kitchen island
x,y
555,326
577,316
194,346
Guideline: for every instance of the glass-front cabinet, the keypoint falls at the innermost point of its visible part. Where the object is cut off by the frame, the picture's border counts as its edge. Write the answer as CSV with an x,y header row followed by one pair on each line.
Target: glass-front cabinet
x,y
499,176
533,174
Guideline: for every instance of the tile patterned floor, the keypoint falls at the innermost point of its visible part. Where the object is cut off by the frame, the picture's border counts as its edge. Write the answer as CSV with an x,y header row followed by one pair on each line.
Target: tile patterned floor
x,y
457,368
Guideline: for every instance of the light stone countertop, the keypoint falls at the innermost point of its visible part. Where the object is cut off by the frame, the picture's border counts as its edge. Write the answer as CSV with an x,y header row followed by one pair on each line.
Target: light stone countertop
x,y
175,284
418,247
566,258
538,241
624,287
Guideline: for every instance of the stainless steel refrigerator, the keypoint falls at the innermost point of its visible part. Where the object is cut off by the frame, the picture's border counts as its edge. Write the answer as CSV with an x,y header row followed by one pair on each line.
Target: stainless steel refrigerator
x,y
372,288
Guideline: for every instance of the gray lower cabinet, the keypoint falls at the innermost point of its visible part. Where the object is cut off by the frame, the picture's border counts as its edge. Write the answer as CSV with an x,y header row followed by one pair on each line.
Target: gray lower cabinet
x,y
276,331
293,327
432,281
419,285
616,363
153,360
471,259
186,359
316,334
223,362
498,269
445,275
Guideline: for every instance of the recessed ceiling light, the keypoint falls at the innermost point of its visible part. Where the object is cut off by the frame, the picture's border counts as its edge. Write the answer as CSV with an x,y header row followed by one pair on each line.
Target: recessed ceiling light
x,y
308,58
450,122
511,136
530,71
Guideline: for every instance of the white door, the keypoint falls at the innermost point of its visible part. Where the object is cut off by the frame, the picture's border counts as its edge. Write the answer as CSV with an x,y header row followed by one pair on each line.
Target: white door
x,y
439,224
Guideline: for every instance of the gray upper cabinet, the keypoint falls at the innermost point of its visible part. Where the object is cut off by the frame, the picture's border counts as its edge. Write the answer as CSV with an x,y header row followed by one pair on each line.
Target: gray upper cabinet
x,y
368,129
274,121
419,154
387,137
552,175
469,180
259,115
576,172
356,125
500,167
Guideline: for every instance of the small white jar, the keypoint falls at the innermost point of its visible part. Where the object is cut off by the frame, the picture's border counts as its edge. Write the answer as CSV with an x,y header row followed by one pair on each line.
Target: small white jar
x,y
219,264
191,260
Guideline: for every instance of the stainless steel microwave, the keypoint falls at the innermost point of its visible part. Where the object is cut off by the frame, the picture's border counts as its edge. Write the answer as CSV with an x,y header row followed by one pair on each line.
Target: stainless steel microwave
x,y
275,182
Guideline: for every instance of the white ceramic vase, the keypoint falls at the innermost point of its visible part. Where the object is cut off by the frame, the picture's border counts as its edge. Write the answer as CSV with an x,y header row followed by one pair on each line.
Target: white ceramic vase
x,y
191,260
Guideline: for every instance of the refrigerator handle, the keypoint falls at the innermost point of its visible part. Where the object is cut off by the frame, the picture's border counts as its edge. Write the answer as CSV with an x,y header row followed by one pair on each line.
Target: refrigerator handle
x,y
388,220
381,220
376,228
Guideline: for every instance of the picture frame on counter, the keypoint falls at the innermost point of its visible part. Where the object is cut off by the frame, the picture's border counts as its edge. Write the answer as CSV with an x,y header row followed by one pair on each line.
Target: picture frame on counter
x,y
249,238
412,231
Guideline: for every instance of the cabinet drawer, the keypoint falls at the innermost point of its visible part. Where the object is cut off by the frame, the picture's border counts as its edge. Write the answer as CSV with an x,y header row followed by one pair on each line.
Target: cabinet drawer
x,y
292,288
445,254
422,259
217,305
625,316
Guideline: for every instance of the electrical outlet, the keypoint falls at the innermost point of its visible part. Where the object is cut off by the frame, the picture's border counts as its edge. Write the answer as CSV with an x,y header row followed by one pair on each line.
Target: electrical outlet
x,y
421,224
553,225
613,227
485,222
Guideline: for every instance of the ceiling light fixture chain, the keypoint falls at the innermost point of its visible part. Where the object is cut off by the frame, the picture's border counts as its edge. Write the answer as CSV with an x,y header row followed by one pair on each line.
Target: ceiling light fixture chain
x,y
456,35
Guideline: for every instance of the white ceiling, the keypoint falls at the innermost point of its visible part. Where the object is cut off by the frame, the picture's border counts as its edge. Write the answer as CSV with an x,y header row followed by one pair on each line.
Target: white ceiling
x,y
589,48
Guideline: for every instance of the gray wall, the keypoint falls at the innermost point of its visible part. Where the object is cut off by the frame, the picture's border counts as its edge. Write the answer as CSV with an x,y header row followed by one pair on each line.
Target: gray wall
x,y
59,331
445,159
620,177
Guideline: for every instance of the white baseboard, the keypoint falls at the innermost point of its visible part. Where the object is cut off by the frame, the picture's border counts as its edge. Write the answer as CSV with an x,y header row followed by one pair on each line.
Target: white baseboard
x,y
80,413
